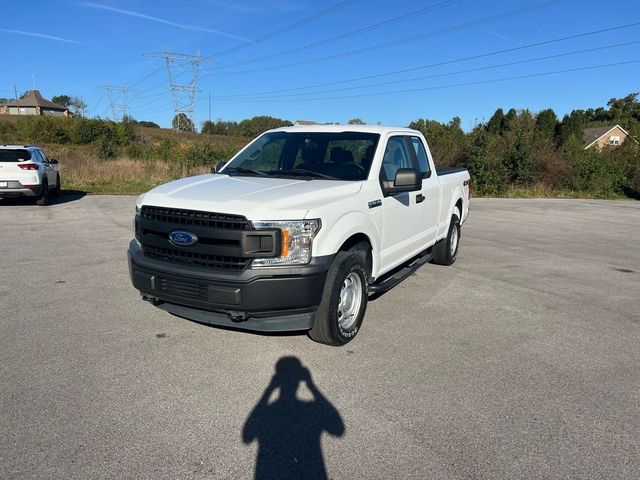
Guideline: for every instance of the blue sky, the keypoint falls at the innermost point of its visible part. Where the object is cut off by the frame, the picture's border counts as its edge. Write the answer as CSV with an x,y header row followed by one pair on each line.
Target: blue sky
x,y
76,47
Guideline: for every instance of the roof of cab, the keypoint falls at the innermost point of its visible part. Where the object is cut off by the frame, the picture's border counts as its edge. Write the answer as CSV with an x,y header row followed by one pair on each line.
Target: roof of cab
x,y
381,130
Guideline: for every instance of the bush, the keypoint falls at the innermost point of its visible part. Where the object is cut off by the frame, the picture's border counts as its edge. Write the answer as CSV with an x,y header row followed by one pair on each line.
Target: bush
x,y
88,131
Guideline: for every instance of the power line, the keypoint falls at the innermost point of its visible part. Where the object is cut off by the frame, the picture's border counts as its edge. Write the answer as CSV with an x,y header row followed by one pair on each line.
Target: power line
x,y
352,33
287,28
453,85
149,75
334,8
431,65
95,107
458,72
458,27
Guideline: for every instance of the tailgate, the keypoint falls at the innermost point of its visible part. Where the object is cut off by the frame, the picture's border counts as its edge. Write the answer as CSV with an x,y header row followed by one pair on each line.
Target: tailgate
x,y
10,158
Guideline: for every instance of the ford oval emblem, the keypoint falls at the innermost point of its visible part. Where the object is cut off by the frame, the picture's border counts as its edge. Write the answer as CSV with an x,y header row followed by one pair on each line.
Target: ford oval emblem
x,y
182,238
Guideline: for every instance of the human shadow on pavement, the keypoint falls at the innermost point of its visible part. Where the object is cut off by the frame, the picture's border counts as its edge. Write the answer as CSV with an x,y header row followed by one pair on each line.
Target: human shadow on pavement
x,y
289,430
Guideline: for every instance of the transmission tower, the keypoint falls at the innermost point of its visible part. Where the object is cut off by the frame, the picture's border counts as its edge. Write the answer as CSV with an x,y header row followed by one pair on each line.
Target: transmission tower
x,y
184,94
119,100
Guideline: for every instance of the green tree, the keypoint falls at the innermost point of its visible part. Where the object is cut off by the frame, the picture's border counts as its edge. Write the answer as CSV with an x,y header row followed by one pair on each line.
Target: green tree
x,y
446,141
356,121
547,121
510,119
521,164
572,125
63,100
257,125
220,127
496,122
183,123
486,172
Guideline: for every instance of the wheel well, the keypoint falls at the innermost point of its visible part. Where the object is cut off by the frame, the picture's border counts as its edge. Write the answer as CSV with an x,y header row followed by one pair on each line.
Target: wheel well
x,y
361,244
459,206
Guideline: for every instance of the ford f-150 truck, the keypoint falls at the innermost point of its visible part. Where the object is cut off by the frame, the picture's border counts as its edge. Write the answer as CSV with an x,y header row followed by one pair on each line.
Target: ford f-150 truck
x,y
298,229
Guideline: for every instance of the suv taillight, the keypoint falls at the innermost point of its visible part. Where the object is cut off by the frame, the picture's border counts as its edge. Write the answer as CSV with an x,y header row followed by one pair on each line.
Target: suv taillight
x,y
28,166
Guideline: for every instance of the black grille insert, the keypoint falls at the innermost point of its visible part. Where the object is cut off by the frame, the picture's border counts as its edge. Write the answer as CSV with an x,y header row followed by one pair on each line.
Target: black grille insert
x,y
192,258
195,218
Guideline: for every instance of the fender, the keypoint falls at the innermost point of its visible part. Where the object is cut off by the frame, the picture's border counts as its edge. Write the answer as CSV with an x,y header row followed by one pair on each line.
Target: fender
x,y
334,234
443,225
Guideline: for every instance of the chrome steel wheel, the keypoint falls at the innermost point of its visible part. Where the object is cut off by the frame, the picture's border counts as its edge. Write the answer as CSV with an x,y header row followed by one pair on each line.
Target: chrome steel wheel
x,y
453,244
350,301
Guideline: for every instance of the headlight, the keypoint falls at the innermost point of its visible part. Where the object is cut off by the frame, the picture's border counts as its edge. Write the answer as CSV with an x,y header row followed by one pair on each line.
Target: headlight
x,y
296,237
135,218
139,204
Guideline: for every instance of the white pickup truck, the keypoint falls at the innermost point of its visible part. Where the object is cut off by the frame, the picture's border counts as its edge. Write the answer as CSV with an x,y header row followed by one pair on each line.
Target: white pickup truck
x,y
298,229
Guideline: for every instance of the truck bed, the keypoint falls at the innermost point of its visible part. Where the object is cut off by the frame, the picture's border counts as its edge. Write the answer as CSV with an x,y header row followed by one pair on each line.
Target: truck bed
x,y
449,170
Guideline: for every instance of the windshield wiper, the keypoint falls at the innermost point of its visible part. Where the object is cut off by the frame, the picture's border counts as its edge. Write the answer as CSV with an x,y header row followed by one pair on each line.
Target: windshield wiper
x,y
245,170
302,173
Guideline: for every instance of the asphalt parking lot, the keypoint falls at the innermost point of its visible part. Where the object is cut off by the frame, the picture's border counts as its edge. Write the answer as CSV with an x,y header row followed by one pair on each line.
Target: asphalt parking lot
x,y
520,361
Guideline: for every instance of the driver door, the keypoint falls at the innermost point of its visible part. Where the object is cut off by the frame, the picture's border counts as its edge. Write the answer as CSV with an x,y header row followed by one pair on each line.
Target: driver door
x,y
401,215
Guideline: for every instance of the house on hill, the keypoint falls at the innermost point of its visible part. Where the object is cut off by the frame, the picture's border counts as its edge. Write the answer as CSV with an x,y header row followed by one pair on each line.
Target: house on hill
x,y
299,123
599,137
33,104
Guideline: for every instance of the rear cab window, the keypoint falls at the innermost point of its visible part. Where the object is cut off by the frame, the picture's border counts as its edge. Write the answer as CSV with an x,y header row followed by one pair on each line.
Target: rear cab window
x,y
12,155
421,155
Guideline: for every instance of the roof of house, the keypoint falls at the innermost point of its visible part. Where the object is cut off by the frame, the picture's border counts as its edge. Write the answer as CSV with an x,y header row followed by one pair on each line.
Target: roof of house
x,y
590,135
34,99
305,122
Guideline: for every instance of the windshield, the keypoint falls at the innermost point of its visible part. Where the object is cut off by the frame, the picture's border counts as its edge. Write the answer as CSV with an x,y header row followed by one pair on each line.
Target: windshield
x,y
330,156
14,155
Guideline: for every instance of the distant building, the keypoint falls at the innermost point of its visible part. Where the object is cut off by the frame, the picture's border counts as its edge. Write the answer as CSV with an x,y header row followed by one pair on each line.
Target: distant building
x,y
33,104
599,137
299,123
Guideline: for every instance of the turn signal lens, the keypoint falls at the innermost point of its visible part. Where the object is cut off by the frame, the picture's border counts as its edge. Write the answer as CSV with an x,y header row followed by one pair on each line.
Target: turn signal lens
x,y
285,243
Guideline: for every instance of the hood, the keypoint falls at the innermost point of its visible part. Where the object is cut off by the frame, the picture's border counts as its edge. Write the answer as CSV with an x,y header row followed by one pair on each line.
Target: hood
x,y
257,198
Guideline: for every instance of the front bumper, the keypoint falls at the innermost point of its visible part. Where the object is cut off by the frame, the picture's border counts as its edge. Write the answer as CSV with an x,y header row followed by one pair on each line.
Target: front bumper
x,y
263,299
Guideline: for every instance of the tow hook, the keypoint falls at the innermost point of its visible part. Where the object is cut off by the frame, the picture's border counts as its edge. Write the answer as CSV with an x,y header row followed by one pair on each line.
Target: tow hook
x,y
236,316
150,299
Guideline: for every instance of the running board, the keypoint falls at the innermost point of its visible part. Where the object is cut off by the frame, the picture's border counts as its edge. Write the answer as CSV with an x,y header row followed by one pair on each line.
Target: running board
x,y
393,280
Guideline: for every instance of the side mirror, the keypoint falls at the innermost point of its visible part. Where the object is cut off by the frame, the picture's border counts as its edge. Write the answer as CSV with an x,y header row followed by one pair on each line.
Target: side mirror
x,y
407,180
53,161
218,166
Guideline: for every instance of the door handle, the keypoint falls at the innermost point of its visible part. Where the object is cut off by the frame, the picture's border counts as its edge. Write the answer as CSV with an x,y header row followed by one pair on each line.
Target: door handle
x,y
420,198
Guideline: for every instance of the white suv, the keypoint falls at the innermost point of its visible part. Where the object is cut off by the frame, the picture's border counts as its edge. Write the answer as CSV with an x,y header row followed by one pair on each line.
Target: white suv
x,y
25,171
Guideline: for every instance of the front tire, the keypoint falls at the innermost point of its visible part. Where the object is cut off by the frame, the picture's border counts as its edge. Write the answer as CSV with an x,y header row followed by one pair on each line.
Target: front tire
x,y
344,301
445,251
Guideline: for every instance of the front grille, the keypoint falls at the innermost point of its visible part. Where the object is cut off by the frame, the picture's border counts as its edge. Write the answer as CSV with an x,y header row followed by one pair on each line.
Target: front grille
x,y
195,218
197,259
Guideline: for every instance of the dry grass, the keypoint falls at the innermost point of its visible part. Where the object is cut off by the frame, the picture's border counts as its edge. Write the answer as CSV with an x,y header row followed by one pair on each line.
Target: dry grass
x,y
540,190
85,172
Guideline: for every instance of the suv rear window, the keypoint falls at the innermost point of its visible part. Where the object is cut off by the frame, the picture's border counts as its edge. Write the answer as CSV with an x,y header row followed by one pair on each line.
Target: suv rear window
x,y
13,155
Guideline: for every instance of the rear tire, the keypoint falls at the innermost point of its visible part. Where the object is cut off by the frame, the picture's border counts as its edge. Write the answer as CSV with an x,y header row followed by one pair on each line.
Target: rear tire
x,y
56,192
344,301
445,251
43,200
